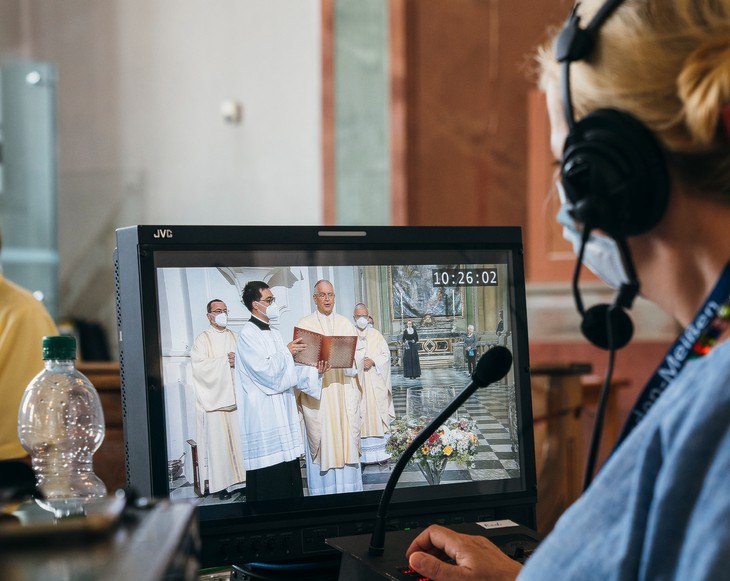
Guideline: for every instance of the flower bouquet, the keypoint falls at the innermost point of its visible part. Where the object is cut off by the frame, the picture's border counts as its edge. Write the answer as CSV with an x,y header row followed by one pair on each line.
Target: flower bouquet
x,y
454,440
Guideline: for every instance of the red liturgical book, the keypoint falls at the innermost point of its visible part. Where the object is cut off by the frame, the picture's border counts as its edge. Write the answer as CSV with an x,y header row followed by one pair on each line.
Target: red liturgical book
x,y
339,350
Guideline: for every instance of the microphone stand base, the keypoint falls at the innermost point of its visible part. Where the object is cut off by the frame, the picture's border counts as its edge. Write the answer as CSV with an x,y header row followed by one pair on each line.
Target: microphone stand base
x,y
358,565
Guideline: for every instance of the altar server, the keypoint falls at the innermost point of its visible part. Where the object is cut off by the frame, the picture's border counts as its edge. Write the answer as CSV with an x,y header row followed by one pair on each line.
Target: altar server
x,y
272,435
213,361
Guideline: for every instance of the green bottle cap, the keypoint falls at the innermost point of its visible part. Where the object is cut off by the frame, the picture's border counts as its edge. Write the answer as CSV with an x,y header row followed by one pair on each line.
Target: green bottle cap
x,y
59,347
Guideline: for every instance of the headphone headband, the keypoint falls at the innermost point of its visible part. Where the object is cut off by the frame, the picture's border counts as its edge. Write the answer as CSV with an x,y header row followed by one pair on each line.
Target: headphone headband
x,y
613,168
575,43
615,177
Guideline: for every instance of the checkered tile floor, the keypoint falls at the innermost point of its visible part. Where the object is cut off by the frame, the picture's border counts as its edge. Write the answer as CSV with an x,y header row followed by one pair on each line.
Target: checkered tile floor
x,y
489,407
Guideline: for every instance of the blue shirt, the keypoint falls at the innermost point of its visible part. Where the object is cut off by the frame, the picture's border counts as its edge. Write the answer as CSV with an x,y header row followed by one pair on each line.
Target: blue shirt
x,y
660,507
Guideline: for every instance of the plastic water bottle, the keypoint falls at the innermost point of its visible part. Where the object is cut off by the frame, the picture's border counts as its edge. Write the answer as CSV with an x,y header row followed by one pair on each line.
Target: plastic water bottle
x,y
61,425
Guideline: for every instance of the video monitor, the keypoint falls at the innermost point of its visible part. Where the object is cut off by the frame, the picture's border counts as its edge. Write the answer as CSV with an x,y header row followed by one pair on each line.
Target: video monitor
x,y
437,298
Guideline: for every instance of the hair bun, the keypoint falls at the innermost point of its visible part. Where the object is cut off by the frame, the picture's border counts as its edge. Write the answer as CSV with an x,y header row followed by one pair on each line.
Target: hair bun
x,y
704,88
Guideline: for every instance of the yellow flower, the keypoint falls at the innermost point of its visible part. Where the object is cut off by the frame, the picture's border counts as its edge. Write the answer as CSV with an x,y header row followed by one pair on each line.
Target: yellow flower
x,y
424,450
448,450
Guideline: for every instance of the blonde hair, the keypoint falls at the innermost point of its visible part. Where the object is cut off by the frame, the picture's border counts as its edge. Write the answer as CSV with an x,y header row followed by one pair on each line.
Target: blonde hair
x,y
666,62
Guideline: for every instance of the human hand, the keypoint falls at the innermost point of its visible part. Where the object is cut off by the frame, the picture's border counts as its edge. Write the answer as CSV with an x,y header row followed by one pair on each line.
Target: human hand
x,y
323,367
296,346
232,359
475,558
367,363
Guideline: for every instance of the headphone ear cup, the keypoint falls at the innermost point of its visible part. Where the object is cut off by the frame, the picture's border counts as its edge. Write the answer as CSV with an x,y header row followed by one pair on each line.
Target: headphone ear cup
x,y
595,326
593,210
614,172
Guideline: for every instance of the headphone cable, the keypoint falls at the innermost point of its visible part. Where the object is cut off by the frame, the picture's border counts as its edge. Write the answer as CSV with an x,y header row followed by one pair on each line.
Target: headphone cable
x,y
606,387
601,407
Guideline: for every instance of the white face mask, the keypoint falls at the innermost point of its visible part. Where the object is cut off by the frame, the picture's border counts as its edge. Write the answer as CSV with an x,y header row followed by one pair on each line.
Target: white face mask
x,y
221,320
602,255
362,323
272,311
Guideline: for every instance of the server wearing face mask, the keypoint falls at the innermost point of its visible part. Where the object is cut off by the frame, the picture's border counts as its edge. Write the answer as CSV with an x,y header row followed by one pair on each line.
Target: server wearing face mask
x,y
272,436
372,357
217,435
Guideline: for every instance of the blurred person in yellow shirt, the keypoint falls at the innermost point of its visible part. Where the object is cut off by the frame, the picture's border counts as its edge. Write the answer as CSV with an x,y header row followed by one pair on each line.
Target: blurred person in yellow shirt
x,y
24,321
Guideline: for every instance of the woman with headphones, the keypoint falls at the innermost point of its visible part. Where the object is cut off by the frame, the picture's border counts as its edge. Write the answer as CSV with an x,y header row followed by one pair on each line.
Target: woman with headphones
x,y
638,94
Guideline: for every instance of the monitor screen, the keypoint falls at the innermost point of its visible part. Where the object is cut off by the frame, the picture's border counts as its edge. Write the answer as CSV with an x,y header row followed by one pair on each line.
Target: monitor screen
x,y
437,298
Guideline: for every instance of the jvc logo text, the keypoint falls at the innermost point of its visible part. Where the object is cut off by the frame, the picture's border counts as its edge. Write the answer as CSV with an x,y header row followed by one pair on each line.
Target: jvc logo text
x,y
162,233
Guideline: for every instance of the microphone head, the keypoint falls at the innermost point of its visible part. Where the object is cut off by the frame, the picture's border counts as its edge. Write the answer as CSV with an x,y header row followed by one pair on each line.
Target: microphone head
x,y
492,366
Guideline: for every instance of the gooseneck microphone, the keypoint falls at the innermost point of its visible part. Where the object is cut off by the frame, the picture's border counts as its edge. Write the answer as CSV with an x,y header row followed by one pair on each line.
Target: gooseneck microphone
x,y
491,367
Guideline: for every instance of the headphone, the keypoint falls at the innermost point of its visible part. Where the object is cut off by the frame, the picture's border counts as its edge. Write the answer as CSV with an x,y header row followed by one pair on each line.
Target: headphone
x,y
615,176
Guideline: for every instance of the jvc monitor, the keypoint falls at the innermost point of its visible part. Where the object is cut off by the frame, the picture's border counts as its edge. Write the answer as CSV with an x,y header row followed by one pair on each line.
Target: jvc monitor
x,y
435,281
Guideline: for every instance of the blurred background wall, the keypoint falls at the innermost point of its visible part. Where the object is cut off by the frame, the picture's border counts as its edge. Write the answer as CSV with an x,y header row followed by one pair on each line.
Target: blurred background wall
x,y
408,112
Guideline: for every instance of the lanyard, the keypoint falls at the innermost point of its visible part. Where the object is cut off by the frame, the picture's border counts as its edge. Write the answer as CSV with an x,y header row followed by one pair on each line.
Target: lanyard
x,y
697,340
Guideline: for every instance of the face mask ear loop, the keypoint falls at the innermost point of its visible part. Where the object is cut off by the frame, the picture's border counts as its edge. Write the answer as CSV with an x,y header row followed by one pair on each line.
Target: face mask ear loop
x,y
576,273
629,290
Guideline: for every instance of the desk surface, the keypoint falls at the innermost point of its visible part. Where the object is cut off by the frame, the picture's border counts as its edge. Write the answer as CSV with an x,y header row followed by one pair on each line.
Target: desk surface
x,y
146,544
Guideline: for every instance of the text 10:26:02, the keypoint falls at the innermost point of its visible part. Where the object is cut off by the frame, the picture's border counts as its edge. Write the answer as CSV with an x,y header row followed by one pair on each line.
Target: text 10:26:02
x,y
465,277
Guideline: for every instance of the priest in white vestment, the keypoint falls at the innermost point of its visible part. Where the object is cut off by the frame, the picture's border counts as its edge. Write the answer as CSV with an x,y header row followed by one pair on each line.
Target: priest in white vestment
x,y
332,422
272,435
372,357
217,432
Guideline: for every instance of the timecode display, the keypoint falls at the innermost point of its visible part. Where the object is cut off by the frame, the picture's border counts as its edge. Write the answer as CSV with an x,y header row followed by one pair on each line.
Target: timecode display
x,y
465,277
